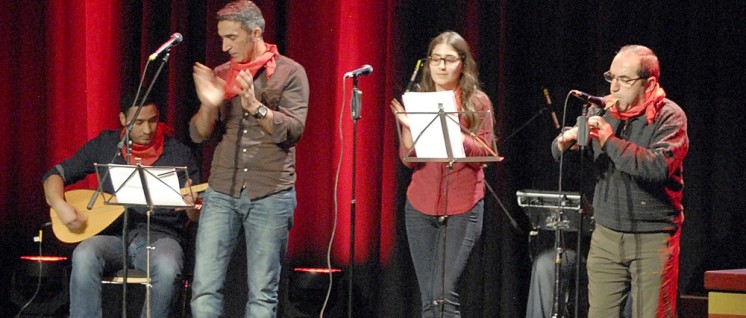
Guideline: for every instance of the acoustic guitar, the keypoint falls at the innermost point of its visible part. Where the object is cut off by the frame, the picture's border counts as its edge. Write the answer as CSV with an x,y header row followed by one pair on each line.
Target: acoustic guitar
x,y
100,216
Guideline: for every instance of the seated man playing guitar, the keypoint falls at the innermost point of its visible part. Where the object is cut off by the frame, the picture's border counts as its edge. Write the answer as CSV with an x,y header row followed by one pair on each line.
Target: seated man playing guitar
x,y
100,253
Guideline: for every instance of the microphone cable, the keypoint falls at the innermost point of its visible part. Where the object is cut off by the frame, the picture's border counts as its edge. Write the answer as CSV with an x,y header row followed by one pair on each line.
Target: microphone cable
x,y
38,239
336,203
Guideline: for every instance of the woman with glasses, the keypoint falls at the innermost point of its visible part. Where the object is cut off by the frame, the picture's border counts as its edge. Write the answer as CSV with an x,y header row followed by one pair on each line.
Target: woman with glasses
x,y
444,208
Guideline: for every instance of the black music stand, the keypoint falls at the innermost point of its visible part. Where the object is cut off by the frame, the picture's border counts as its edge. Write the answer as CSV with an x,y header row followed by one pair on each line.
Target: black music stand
x,y
559,212
143,186
438,123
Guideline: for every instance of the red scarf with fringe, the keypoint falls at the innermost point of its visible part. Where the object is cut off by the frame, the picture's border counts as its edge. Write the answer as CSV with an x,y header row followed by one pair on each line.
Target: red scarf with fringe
x,y
151,152
649,106
232,88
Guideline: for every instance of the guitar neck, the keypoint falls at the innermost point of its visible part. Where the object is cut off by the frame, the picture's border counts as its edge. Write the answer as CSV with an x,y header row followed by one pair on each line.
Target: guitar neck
x,y
195,188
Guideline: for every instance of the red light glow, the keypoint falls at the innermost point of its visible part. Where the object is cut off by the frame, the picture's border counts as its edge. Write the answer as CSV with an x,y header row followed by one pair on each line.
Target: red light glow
x,y
317,270
44,258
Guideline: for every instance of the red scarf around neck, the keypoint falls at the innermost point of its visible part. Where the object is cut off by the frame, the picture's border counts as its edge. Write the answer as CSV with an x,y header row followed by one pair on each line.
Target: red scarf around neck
x,y
232,88
649,106
151,152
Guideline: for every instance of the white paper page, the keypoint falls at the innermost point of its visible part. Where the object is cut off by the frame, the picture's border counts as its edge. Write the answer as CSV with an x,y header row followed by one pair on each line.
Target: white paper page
x,y
161,193
431,143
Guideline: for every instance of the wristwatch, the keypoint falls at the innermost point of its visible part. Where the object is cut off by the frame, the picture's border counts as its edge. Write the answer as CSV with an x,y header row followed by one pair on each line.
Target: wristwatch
x,y
261,112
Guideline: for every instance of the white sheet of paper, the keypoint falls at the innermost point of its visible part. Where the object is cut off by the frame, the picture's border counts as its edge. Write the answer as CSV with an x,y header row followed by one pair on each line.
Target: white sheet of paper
x,y
161,193
431,143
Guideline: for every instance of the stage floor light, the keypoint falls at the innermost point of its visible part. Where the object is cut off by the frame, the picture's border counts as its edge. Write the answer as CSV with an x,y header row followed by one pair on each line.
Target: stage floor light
x,y
51,274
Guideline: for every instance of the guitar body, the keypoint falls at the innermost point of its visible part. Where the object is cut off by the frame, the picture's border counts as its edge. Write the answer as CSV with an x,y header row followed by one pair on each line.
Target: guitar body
x,y
100,216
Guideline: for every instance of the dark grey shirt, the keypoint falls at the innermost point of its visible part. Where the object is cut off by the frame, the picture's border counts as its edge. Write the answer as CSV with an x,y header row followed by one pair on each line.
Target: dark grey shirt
x,y
639,172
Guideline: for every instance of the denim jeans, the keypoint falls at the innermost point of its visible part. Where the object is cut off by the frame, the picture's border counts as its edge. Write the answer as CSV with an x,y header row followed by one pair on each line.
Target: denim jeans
x,y
103,254
266,223
541,294
426,236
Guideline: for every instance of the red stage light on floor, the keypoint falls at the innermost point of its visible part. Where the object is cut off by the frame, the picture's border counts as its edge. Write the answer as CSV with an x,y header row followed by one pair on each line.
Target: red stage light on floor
x,y
308,287
50,274
44,258
317,270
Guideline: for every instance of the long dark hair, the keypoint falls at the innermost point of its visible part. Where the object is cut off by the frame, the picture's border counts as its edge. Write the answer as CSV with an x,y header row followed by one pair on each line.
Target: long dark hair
x,y
469,80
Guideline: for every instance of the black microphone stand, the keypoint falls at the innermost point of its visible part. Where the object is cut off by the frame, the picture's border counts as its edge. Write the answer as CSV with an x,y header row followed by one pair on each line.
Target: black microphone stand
x,y
355,107
583,134
525,124
582,141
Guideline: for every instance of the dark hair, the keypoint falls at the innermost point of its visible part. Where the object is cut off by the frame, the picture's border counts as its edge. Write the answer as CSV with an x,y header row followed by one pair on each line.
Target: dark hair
x,y
649,65
243,11
469,80
128,98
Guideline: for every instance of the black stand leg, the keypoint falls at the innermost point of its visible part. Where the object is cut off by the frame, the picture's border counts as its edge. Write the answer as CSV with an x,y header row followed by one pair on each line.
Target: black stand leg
x,y
355,106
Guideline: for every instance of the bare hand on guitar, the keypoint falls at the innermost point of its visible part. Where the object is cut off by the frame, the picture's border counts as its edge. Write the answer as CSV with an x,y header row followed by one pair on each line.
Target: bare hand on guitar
x,y
74,220
66,213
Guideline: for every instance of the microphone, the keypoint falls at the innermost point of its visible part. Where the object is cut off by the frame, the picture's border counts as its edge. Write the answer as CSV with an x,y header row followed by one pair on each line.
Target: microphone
x,y
598,101
173,41
548,101
414,75
364,70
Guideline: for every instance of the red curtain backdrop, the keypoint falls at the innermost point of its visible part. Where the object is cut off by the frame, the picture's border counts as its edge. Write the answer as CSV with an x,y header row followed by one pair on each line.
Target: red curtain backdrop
x,y
344,25
83,40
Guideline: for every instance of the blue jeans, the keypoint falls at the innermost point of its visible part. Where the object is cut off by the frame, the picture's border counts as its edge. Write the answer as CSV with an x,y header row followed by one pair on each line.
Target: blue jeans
x,y
541,294
103,254
266,223
426,239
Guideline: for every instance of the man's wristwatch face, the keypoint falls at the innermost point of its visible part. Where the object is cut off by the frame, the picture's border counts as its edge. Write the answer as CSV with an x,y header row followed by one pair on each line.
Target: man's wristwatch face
x,y
261,112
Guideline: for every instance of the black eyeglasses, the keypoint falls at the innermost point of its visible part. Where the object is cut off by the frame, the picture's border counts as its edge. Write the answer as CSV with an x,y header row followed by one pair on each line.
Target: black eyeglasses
x,y
448,59
623,80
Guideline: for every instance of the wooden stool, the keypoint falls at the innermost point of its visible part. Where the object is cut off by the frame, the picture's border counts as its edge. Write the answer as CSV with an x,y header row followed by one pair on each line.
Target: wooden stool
x,y
134,276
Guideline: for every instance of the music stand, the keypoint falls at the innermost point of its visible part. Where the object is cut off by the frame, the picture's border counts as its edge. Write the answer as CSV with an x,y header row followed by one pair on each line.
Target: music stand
x,y
143,186
559,212
434,120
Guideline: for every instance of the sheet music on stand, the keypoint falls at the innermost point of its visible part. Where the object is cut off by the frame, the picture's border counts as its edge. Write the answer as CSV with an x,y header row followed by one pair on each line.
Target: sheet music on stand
x,y
162,186
436,129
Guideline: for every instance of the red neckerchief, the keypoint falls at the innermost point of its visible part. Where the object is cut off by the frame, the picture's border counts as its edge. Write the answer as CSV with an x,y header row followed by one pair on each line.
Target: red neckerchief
x,y
649,106
267,59
151,152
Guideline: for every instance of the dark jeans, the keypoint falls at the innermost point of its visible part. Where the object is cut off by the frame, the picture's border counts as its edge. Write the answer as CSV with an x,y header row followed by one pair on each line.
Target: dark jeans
x,y
427,235
541,294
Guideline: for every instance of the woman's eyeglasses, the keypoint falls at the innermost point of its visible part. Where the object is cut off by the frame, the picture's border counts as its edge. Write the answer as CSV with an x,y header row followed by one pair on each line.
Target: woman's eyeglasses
x,y
435,60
